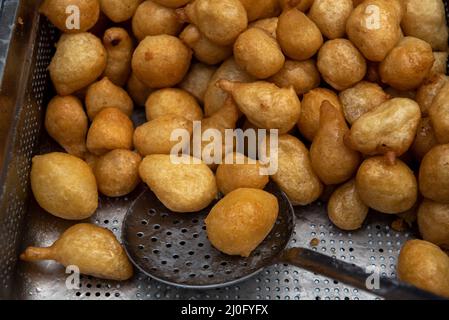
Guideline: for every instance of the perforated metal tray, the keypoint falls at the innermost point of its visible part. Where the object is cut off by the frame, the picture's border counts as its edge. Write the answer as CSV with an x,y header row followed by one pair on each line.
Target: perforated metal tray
x,y
24,93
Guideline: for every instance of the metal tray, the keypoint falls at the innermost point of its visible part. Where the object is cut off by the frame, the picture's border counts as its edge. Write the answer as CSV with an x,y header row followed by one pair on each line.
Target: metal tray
x,y
26,47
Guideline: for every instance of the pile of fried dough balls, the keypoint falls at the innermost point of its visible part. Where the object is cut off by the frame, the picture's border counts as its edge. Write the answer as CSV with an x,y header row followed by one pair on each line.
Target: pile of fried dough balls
x,y
357,90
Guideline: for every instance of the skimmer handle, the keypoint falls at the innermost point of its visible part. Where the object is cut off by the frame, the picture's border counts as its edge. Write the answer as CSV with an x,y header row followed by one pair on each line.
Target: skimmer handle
x,y
353,275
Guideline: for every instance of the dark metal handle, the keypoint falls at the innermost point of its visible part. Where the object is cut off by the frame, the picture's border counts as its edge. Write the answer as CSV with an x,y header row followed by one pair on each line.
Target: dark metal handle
x,y
353,275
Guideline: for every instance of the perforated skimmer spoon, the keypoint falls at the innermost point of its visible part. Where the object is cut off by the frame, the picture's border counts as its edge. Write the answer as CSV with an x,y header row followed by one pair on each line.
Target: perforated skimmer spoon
x,y
173,248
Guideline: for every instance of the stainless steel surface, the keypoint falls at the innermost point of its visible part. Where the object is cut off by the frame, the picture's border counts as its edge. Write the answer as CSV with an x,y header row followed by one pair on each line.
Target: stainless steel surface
x,y
24,91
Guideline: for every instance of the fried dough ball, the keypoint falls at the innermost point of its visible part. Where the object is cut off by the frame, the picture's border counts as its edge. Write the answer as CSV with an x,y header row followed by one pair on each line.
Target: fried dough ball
x,y
425,266
66,122
64,186
301,5
408,64
440,64
374,28
302,75
433,222
119,47
138,90
79,60
105,94
390,127
221,21
426,20
197,80
345,208
204,50
258,53
240,221
341,64
117,172
332,160
360,99
154,137
434,174
298,36
260,9
387,187
240,173
172,101
331,16
439,115
187,186
265,104
429,90
161,61
295,175
94,250
57,11
269,25
152,19
215,96
111,129
173,3
425,139
119,10
309,119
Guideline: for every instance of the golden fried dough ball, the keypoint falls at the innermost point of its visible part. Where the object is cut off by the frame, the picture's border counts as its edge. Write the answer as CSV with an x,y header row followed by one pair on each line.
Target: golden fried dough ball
x,y
390,127
111,129
119,47
152,19
197,80
138,91
295,175
302,5
440,64
79,60
172,101
265,104
332,160
424,265
434,176
57,11
64,185
374,28
161,61
269,25
360,99
66,122
426,20
298,36
94,250
408,64
258,53
119,10
154,137
386,187
439,114
204,50
429,90
117,172
345,208
173,3
240,173
215,96
221,21
260,9
302,75
433,222
239,222
425,139
187,186
331,16
105,94
340,63
309,120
